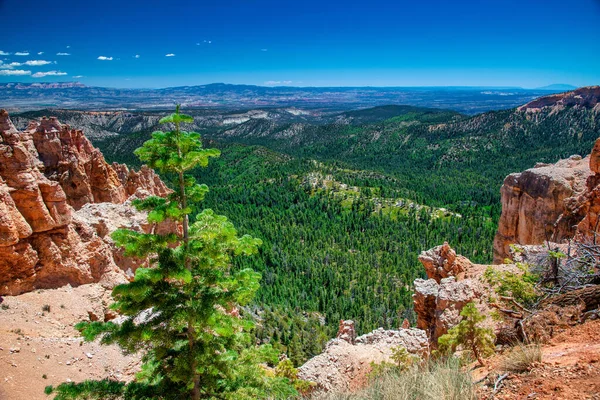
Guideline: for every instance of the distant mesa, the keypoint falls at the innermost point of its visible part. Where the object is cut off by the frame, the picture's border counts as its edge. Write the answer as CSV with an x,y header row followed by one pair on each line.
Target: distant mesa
x,y
587,97
558,86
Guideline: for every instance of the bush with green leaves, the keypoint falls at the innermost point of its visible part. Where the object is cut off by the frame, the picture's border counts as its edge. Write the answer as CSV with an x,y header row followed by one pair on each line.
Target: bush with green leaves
x,y
469,335
402,362
180,312
285,369
521,287
403,359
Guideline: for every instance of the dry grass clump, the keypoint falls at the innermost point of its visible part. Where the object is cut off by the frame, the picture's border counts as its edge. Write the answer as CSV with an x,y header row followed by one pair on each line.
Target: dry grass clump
x,y
441,380
522,357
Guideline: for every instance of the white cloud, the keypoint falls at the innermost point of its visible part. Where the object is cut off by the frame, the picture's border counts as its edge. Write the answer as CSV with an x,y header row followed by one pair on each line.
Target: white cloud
x,y
49,73
63,54
170,55
3,53
22,53
271,83
38,63
78,76
12,65
14,72
137,56
40,53
68,47
104,58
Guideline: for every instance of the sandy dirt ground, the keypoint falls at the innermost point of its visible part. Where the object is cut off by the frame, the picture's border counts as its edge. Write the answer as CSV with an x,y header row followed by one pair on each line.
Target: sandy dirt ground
x,y
40,347
570,369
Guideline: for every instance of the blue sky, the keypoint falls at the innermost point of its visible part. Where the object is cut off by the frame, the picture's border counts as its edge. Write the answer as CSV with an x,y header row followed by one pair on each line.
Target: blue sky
x,y
526,43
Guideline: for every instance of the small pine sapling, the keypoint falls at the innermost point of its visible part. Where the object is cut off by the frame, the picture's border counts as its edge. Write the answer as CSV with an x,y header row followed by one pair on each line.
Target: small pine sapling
x,y
469,335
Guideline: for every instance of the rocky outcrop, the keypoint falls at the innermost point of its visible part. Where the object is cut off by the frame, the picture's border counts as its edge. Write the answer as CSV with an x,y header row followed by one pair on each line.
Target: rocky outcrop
x,y
47,172
586,206
453,281
69,158
346,331
344,366
550,203
442,262
144,179
541,204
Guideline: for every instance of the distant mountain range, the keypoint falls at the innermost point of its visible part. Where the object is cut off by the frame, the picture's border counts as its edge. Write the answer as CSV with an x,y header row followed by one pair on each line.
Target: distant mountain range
x,y
17,97
559,87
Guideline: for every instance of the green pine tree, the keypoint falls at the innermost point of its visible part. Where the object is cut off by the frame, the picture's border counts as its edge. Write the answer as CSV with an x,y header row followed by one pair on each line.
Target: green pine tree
x,y
181,311
468,334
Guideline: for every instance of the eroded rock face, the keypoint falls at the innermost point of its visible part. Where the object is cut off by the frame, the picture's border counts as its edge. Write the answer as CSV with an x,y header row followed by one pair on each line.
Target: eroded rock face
x,y
144,179
552,202
442,262
453,281
541,204
346,331
46,173
586,206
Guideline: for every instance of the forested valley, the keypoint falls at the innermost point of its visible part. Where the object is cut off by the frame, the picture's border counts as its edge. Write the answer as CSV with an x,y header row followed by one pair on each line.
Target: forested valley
x,y
343,210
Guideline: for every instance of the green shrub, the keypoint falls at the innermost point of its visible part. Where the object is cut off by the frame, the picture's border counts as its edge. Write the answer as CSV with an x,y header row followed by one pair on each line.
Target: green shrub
x,y
468,335
403,359
520,287
285,369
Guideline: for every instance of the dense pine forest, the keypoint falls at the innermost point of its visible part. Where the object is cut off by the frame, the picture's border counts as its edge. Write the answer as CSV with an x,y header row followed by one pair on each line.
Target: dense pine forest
x,y
344,209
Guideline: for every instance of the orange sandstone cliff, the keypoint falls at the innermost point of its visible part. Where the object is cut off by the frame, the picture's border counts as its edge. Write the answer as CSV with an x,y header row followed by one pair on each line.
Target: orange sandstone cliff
x,y
47,173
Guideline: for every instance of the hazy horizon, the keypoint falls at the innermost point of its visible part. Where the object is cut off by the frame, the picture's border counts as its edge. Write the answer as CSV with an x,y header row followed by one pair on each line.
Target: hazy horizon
x,y
457,87
151,44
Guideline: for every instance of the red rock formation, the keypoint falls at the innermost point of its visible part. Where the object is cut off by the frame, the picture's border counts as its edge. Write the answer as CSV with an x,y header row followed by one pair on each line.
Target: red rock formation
x,y
453,281
46,172
586,206
539,204
346,331
145,179
442,262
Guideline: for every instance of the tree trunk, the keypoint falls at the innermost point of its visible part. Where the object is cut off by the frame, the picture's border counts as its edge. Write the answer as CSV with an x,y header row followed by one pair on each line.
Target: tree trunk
x,y
477,356
590,296
191,332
